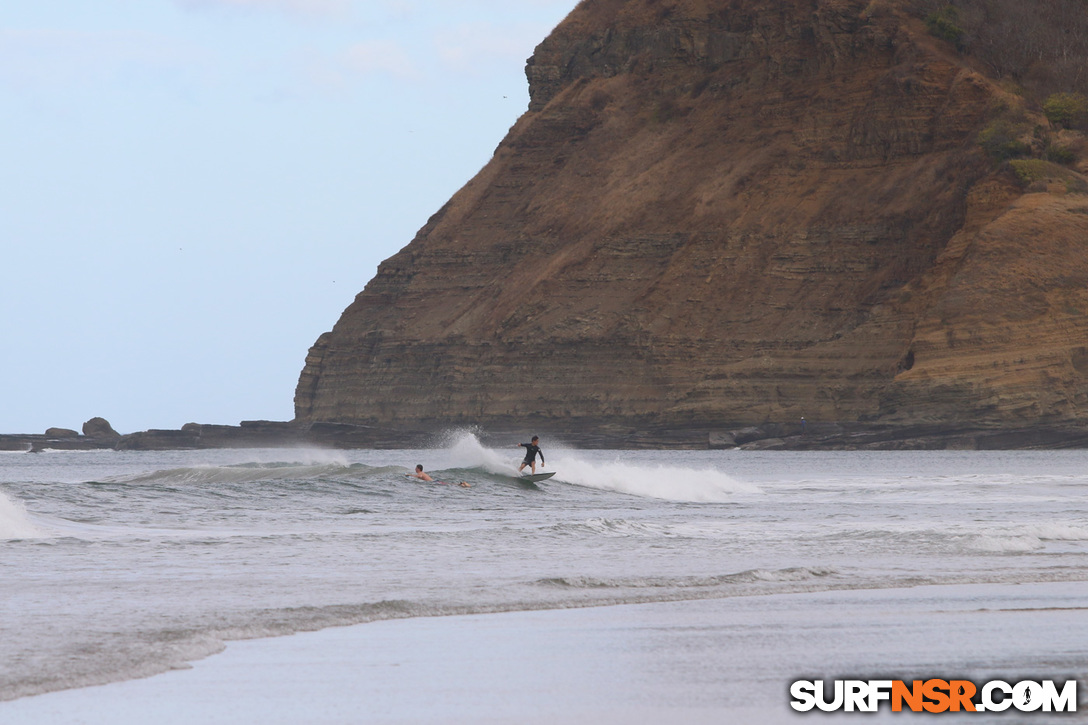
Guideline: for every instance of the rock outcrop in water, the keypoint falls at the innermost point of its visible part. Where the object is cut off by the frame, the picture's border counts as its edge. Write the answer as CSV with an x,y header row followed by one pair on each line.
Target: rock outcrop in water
x,y
98,427
731,213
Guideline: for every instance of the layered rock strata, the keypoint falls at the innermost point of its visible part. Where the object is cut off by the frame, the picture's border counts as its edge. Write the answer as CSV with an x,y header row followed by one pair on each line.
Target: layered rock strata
x,y
720,214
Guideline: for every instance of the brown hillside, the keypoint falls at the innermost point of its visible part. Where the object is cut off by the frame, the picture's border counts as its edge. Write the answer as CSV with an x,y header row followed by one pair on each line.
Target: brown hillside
x,y
727,212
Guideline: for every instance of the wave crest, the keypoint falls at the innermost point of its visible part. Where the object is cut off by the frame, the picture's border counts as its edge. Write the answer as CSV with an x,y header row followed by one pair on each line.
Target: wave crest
x,y
15,522
670,483
750,576
613,527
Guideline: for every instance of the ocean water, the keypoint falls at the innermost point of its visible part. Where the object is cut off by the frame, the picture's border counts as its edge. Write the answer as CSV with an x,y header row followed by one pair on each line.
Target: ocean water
x,y
118,565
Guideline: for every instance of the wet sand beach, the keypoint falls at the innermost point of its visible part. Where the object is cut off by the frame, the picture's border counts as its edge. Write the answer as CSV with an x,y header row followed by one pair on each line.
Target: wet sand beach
x,y
707,661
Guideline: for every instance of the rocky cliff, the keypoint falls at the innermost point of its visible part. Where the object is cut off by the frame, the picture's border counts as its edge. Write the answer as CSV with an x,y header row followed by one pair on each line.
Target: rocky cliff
x,y
719,213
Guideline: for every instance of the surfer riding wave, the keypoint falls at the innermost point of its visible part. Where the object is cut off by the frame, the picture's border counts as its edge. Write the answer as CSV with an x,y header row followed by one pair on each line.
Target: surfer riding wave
x,y
531,452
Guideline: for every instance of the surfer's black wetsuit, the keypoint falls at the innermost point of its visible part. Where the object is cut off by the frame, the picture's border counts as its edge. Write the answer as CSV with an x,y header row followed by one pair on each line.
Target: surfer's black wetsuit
x,y
530,453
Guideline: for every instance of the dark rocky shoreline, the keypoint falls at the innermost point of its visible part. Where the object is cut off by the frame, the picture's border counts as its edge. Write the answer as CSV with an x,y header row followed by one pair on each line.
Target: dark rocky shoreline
x,y
98,435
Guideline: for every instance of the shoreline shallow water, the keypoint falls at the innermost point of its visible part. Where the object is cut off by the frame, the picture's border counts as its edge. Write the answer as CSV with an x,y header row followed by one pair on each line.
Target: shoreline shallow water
x,y
706,661
120,565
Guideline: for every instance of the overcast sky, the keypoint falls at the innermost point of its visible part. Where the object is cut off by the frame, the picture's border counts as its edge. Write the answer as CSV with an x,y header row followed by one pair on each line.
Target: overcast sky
x,y
193,190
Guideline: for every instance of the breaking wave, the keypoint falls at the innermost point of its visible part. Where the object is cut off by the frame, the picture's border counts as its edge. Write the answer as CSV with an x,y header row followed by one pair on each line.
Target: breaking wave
x,y
15,523
751,576
669,483
1027,538
246,473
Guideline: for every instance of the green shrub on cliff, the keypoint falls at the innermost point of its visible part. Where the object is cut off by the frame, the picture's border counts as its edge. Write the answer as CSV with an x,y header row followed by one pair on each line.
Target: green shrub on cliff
x,y
1001,140
1059,154
1037,174
943,24
1029,171
1069,110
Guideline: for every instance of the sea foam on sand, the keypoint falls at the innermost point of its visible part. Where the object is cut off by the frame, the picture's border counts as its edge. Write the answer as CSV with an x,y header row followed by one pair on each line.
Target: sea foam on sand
x,y
709,661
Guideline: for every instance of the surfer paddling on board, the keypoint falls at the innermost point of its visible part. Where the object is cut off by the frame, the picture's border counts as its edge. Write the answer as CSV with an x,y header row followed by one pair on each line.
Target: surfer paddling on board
x,y
531,451
426,477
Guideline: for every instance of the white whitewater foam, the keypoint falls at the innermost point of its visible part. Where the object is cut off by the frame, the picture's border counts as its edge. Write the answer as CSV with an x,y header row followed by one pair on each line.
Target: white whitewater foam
x,y
15,522
1028,538
466,451
671,483
1005,544
1058,532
